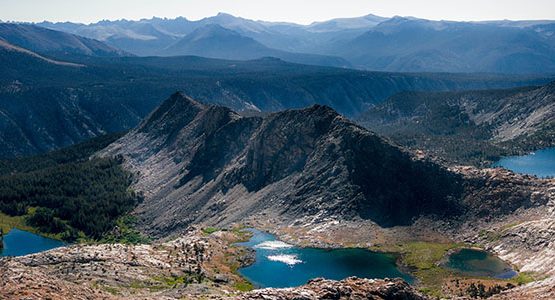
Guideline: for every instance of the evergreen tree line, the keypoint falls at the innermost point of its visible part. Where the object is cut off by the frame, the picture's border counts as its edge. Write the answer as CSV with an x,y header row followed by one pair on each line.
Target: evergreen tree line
x,y
68,197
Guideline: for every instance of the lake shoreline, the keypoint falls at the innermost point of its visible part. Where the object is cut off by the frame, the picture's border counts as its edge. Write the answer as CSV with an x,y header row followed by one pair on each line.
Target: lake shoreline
x,y
21,243
539,163
296,262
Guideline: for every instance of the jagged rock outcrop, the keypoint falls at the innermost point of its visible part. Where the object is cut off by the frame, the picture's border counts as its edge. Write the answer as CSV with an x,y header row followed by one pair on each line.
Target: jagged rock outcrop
x,y
205,163
492,193
349,288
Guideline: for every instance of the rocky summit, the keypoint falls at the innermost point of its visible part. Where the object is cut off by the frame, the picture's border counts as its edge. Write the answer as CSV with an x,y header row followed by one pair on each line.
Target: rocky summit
x,y
205,163
199,163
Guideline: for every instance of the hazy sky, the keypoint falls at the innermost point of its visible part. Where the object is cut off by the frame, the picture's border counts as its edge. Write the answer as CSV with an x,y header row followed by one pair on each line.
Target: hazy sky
x,y
299,11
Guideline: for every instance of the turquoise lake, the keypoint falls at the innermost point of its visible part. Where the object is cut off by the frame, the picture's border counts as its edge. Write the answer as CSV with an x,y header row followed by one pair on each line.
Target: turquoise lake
x,y
540,163
281,265
479,263
18,242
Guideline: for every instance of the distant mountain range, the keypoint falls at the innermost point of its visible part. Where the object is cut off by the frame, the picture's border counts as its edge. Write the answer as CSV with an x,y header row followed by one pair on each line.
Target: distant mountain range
x,y
369,42
58,88
215,41
47,103
52,42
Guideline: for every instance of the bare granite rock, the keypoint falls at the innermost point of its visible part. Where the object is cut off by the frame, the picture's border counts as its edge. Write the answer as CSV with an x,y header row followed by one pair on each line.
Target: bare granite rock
x,y
350,288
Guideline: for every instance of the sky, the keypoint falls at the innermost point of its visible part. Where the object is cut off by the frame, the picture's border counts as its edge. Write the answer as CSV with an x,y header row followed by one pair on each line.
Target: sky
x,y
297,11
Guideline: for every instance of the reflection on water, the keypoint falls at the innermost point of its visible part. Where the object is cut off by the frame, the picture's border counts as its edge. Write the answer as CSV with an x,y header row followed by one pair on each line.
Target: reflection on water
x,y
279,264
479,263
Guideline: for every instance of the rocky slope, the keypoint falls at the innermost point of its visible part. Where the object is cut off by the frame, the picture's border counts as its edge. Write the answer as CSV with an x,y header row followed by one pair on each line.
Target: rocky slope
x,y
7,48
204,163
487,121
312,177
198,163
192,264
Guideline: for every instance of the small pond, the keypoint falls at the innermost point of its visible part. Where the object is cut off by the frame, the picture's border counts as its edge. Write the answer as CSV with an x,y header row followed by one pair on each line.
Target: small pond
x,y
18,243
282,265
478,263
540,163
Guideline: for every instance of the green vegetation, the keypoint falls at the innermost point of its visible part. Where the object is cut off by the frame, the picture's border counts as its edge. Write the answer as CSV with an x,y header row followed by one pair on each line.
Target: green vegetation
x,y
526,277
125,233
425,255
481,291
8,222
78,152
172,281
111,290
65,193
243,286
151,286
210,230
423,258
241,234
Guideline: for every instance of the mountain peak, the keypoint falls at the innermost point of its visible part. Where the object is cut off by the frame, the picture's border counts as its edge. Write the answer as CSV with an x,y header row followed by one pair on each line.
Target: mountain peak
x,y
225,15
306,160
179,96
173,113
321,109
211,30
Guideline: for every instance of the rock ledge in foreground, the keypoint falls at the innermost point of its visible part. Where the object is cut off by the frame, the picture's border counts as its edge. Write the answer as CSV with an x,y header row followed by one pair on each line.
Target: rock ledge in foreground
x,y
350,288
